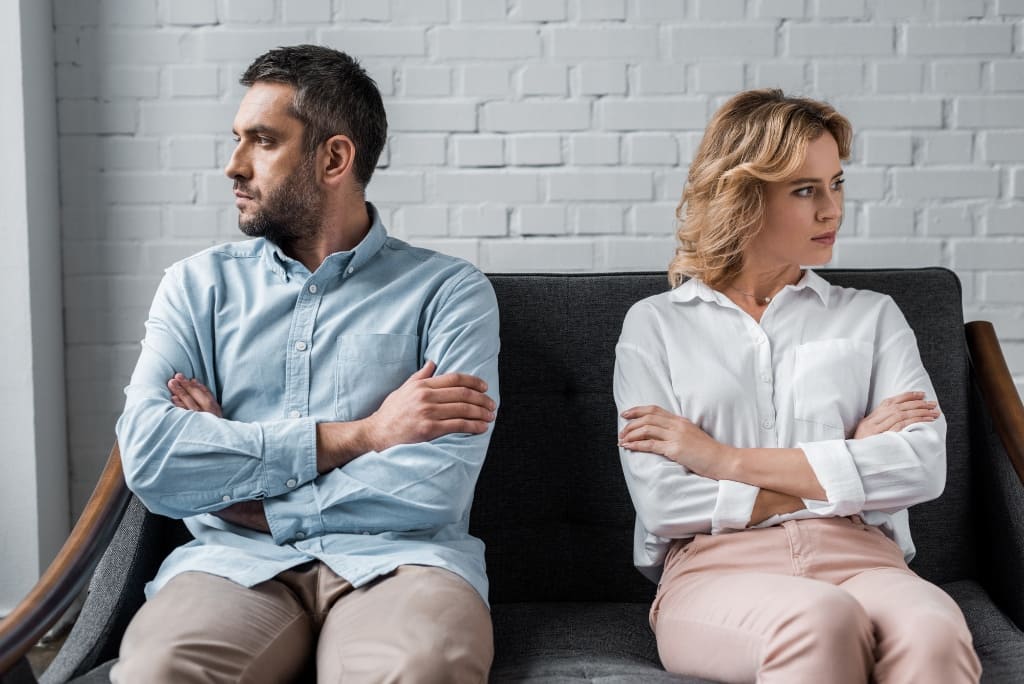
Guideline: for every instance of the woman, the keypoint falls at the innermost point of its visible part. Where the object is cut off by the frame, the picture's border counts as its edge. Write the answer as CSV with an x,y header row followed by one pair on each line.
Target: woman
x,y
775,428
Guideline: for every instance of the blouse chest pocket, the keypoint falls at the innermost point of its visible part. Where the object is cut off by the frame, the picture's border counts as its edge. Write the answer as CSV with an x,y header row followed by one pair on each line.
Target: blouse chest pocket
x,y
831,381
369,368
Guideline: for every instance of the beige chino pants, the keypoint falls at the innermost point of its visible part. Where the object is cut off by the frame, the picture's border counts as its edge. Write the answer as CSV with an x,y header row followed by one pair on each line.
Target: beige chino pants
x,y
418,624
826,600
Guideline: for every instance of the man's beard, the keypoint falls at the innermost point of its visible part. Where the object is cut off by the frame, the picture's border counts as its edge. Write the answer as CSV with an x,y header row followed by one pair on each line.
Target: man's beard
x,y
291,212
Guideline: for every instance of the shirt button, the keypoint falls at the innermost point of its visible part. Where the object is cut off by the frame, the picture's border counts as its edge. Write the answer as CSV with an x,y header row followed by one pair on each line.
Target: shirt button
x,y
350,270
294,414
300,345
767,423
225,498
300,535
765,377
312,289
291,482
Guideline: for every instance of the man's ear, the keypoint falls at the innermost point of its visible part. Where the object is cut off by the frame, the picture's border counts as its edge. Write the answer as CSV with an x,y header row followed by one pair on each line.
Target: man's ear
x,y
339,159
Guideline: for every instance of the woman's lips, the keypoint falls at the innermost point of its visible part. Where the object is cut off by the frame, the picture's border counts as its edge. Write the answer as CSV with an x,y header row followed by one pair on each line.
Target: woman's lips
x,y
825,238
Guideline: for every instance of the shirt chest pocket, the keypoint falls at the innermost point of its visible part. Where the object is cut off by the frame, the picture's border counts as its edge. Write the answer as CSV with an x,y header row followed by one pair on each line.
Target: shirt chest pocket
x,y
369,368
831,381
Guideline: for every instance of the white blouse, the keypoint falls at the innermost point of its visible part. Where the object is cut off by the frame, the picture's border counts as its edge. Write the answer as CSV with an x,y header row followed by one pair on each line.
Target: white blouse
x,y
821,358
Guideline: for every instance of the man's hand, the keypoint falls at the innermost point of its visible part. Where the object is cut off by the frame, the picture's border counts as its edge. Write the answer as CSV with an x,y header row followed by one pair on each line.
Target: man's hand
x,y
426,407
190,394
654,430
246,514
423,408
896,413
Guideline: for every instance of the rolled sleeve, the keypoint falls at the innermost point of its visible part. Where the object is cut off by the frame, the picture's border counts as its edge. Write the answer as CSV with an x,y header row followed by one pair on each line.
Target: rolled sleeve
x,y
837,473
734,506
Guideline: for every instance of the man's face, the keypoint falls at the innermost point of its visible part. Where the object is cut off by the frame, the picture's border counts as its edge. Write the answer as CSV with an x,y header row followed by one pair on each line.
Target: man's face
x,y
275,182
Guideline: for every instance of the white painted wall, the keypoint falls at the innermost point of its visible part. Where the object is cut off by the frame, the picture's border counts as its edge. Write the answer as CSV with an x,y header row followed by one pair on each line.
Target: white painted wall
x,y
532,135
34,516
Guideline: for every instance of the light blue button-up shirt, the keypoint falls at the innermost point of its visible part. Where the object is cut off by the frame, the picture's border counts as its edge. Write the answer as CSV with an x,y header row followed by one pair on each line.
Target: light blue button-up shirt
x,y
283,349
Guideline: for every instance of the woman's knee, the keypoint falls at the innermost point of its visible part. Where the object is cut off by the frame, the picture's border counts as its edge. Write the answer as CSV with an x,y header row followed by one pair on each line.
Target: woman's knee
x,y
828,626
932,641
828,615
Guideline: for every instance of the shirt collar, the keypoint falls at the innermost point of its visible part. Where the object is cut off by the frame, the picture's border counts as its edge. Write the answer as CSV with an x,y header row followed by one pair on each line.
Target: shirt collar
x,y
350,261
694,289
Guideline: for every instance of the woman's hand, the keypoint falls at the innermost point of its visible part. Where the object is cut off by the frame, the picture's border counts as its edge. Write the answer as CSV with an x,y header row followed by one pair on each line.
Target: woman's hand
x,y
653,430
769,503
896,413
192,395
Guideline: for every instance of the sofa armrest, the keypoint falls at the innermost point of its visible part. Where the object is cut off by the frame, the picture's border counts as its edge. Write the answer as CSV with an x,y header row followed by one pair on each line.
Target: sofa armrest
x,y
996,440
69,572
998,391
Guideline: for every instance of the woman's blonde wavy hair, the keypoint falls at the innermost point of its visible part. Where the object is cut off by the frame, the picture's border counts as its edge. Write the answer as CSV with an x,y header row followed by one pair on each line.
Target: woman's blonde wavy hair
x,y
757,137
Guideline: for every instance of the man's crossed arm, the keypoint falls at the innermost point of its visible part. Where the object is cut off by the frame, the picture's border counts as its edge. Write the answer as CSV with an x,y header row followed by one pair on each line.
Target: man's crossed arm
x,y
423,408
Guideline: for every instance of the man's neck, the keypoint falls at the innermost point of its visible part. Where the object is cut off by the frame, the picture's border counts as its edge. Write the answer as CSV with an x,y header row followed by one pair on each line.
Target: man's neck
x,y
341,231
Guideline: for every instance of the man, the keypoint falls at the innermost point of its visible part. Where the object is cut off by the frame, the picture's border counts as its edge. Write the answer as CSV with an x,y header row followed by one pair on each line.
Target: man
x,y
314,403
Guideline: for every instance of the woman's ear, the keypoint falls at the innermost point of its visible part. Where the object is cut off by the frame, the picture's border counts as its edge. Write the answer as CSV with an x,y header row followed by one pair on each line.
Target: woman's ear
x,y
340,158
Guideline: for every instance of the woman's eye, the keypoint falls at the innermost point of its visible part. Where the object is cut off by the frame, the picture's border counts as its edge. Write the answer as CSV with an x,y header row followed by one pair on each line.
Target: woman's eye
x,y
837,184
804,192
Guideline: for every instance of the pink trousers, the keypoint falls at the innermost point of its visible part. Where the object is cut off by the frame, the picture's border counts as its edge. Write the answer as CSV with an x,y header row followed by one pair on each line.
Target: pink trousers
x,y
827,600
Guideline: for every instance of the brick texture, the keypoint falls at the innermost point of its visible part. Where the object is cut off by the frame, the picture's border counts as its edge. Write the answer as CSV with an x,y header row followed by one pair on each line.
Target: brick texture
x,y
528,135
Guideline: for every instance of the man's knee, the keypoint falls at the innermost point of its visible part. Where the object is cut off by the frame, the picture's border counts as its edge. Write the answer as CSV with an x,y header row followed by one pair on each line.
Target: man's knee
x,y
202,628
440,663
157,662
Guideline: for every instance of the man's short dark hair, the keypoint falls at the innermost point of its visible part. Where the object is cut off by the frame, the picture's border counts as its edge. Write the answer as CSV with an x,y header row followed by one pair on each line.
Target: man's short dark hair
x,y
333,95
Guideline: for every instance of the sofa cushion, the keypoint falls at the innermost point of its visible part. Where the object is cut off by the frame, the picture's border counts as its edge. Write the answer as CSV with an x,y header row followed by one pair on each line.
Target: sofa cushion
x,y
999,643
576,642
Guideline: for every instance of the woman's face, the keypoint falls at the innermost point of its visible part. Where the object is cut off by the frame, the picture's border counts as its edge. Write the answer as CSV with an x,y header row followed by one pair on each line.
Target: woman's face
x,y
802,213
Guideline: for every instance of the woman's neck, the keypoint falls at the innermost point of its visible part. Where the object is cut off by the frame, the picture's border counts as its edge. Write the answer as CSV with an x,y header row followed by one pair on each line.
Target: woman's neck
x,y
753,291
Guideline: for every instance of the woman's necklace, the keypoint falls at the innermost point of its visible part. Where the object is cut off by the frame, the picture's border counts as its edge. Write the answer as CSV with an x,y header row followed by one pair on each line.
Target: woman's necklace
x,y
763,301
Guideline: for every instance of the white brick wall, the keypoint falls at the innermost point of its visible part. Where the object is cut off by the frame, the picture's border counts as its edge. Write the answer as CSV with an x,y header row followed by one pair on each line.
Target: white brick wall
x,y
532,135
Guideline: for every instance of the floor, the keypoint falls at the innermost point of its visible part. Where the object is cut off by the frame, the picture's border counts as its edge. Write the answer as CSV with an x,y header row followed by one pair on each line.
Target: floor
x,y
43,653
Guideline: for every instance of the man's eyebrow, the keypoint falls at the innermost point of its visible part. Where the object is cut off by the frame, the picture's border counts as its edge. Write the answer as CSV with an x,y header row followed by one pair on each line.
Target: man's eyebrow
x,y
258,129
801,181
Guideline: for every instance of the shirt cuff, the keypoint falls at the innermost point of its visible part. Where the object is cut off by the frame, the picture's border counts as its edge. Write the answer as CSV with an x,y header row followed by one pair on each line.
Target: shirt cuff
x,y
293,516
838,475
289,454
734,506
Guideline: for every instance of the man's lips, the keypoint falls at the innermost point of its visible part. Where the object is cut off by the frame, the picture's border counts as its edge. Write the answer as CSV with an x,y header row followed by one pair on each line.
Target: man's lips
x,y
828,238
241,198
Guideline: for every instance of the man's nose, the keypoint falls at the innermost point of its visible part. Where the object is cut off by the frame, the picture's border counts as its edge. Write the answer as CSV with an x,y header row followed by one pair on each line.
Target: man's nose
x,y
237,166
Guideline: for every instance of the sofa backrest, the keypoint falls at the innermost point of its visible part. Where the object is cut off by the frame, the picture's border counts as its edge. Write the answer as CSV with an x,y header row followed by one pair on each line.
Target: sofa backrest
x,y
551,503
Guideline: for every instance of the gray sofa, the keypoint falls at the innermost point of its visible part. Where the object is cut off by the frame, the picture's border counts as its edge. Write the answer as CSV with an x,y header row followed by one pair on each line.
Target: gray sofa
x,y
553,509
